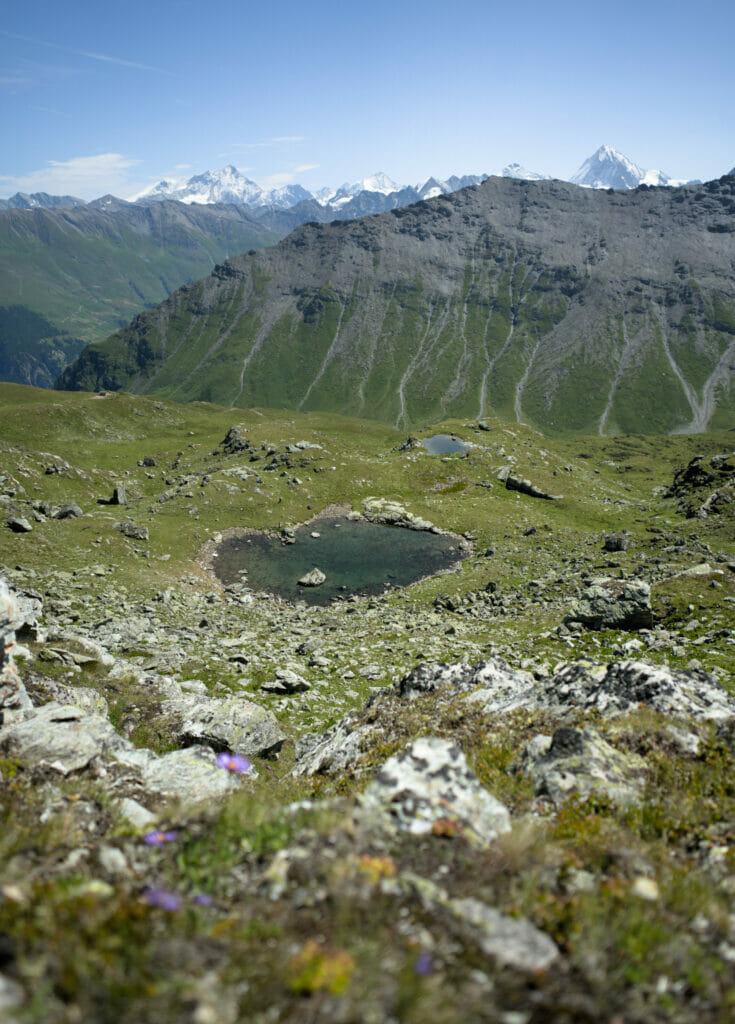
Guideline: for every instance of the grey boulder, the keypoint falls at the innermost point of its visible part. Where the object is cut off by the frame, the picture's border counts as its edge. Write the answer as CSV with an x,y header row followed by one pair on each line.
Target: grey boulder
x,y
613,604
228,723
430,786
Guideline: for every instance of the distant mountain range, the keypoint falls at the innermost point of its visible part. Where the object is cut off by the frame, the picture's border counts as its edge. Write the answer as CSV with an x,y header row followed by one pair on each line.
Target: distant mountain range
x,y
606,168
575,311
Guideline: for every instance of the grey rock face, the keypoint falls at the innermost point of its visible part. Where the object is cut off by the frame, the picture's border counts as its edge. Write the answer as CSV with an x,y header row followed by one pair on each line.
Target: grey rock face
x,y
580,761
493,682
613,604
616,542
431,782
231,723
70,511
523,486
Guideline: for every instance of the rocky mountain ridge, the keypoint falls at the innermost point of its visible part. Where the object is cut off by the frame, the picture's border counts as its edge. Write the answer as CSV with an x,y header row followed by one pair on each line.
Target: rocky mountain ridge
x,y
575,310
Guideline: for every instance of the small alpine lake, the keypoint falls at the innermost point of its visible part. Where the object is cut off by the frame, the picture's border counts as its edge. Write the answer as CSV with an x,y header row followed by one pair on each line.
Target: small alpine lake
x,y
356,557
444,444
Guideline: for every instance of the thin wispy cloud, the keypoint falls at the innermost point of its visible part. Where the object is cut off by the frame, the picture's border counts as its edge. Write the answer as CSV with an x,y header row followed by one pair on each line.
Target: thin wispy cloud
x,y
90,55
286,177
84,176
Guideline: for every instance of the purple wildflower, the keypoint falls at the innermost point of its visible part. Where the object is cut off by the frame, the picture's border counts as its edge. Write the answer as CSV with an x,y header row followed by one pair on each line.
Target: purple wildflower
x,y
233,763
424,964
203,899
158,838
162,898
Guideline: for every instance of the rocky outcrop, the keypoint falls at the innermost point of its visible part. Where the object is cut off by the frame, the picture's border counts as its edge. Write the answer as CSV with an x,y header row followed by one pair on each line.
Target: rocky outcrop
x,y
582,762
613,604
429,787
513,482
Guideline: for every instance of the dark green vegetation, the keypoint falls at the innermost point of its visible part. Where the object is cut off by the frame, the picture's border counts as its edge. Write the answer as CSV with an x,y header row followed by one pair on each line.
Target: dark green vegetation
x,y
289,913
90,269
573,310
33,350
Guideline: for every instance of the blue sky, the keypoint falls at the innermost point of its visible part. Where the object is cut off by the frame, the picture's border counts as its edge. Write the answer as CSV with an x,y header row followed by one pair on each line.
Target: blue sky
x,y
109,97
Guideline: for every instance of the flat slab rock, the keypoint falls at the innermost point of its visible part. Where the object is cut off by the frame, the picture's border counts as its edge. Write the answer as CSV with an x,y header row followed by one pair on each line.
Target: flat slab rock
x,y
430,783
68,739
230,723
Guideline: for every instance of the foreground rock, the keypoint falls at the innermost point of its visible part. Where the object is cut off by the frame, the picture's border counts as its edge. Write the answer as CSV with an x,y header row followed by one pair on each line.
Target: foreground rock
x,y
581,761
429,787
230,723
613,604
496,688
12,692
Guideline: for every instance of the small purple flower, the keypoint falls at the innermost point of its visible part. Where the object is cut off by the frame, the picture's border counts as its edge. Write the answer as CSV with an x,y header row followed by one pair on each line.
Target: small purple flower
x,y
162,898
424,964
233,763
203,899
158,838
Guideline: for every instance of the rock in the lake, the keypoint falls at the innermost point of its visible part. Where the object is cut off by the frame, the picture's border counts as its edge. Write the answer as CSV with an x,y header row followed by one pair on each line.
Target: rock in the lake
x,y
429,787
315,578
582,762
613,604
229,723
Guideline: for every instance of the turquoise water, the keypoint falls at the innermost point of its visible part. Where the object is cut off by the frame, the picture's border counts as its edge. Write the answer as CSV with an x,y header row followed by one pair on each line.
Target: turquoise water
x,y
444,444
357,558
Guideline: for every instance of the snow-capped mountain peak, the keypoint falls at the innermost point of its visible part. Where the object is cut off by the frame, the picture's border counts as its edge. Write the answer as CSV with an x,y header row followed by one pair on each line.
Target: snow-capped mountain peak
x,y
518,171
607,168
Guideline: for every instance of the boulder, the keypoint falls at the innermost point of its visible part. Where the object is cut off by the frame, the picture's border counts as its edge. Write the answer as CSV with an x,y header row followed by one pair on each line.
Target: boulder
x,y
61,736
518,483
509,941
19,525
191,775
70,511
613,604
228,723
581,762
286,682
337,750
315,578
128,529
429,787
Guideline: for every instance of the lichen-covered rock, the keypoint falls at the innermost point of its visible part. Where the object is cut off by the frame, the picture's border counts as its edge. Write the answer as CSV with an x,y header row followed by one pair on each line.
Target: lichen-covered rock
x,y
623,686
613,604
582,762
229,723
286,682
430,784
61,736
493,682
337,750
